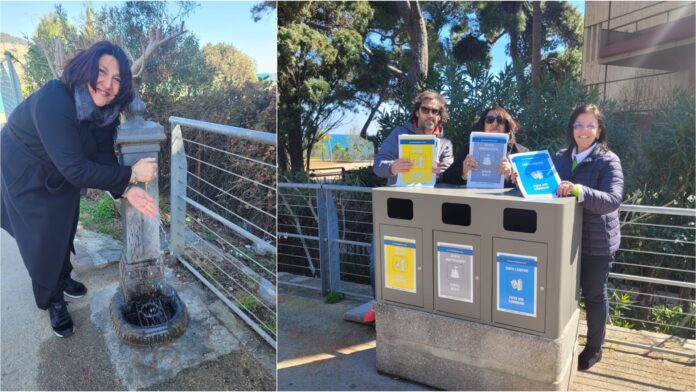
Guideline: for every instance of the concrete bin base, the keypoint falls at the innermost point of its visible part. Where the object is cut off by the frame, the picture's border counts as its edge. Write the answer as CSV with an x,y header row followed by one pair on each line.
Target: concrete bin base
x,y
455,354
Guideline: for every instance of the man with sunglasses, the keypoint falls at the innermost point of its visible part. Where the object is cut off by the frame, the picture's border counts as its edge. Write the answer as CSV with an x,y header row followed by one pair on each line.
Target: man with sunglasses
x,y
427,116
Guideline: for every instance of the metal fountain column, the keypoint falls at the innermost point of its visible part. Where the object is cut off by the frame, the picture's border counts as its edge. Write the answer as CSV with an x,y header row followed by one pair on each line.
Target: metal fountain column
x,y
141,266
145,310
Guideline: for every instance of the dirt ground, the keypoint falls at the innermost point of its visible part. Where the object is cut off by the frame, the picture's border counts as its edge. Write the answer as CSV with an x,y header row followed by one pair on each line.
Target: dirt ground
x,y
239,369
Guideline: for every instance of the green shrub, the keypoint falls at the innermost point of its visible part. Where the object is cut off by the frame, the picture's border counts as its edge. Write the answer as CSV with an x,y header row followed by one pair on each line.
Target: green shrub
x,y
669,149
334,297
620,302
249,303
269,325
98,213
666,317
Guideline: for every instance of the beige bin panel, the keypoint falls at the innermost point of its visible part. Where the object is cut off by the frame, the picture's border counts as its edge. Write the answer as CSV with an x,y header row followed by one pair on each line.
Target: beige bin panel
x,y
457,274
401,265
519,284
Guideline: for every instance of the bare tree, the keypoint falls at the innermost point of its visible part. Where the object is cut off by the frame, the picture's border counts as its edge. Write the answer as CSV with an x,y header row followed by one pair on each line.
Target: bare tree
x,y
56,57
536,42
155,40
412,16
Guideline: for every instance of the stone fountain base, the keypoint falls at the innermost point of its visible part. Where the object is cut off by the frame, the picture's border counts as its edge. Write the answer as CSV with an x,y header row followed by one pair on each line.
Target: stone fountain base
x,y
213,331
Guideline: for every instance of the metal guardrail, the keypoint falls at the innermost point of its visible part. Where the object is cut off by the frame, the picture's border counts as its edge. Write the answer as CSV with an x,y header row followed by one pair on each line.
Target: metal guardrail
x,y
652,283
325,231
227,238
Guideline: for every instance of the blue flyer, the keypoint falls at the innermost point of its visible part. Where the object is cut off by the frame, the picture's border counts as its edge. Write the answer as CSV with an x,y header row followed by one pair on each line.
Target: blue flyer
x,y
537,177
488,149
517,281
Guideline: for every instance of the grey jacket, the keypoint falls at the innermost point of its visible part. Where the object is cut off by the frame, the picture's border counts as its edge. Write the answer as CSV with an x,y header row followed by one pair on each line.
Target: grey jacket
x,y
389,151
602,179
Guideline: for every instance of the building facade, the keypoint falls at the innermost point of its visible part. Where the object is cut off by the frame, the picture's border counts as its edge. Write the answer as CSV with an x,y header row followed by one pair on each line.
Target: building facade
x,y
638,53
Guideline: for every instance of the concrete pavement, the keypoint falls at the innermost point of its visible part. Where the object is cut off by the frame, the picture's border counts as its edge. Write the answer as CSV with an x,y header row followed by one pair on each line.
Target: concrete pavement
x,y
225,354
19,362
318,350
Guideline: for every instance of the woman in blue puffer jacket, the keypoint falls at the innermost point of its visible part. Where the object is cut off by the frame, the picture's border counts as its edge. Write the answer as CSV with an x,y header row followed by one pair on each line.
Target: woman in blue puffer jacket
x,y
593,174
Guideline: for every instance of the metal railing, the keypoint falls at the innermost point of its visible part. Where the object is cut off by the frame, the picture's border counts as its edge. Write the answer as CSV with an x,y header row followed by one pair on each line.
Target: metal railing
x,y
227,239
652,285
326,231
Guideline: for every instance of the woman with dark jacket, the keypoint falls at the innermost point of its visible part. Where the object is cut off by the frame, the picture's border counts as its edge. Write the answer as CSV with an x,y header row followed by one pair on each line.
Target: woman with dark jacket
x,y
593,174
57,141
493,119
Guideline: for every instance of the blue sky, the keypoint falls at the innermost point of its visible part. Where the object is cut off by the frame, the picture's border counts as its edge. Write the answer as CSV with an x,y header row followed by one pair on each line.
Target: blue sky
x,y
499,59
227,22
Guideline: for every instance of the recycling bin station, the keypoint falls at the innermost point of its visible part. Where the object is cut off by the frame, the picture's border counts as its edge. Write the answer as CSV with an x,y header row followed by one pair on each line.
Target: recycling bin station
x,y
476,288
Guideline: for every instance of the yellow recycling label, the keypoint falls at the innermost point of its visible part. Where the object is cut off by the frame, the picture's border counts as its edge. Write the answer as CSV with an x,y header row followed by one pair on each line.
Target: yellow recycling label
x,y
400,264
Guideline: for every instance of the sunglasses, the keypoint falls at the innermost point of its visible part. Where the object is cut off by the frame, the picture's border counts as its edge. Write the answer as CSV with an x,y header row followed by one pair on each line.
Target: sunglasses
x,y
492,119
425,110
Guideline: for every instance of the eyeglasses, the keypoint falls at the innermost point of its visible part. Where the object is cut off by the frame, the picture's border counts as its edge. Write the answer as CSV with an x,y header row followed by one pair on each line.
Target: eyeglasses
x,y
587,127
492,119
425,110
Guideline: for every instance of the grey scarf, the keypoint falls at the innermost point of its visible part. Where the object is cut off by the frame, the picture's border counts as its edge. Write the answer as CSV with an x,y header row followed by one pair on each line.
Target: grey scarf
x,y
88,111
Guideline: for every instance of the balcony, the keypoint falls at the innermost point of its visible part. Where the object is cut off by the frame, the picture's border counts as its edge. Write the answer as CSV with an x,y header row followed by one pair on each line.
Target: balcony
x,y
669,46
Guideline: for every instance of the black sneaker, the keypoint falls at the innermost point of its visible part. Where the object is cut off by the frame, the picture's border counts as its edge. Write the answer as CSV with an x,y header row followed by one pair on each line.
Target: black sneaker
x,y
73,288
589,357
61,322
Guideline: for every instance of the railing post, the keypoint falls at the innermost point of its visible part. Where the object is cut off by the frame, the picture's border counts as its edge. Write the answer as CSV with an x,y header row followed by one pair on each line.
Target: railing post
x,y
9,85
177,187
329,255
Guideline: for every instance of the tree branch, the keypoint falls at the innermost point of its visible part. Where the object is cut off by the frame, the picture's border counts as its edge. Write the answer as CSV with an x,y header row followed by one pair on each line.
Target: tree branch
x,y
373,111
495,39
396,71
155,41
42,45
318,26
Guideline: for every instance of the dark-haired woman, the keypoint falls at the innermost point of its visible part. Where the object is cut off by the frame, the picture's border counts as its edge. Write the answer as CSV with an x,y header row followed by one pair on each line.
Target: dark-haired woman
x,y
57,141
593,174
492,119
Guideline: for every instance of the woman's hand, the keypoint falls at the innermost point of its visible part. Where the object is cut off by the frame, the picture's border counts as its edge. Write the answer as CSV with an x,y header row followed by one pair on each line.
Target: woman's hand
x,y
437,169
401,166
468,165
565,188
505,168
145,169
141,201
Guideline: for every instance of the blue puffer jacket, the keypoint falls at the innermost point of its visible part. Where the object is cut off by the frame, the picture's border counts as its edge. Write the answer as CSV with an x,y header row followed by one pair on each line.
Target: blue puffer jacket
x,y
601,176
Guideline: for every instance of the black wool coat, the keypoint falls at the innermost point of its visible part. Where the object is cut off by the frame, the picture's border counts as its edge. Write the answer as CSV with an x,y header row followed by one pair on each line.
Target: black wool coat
x,y
46,156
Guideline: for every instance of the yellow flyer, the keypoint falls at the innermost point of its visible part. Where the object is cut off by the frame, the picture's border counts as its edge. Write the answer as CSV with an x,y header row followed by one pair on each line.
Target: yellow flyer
x,y
422,151
400,263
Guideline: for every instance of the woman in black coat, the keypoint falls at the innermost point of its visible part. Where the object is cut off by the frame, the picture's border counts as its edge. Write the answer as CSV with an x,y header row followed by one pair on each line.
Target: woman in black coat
x,y
492,119
593,174
57,141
